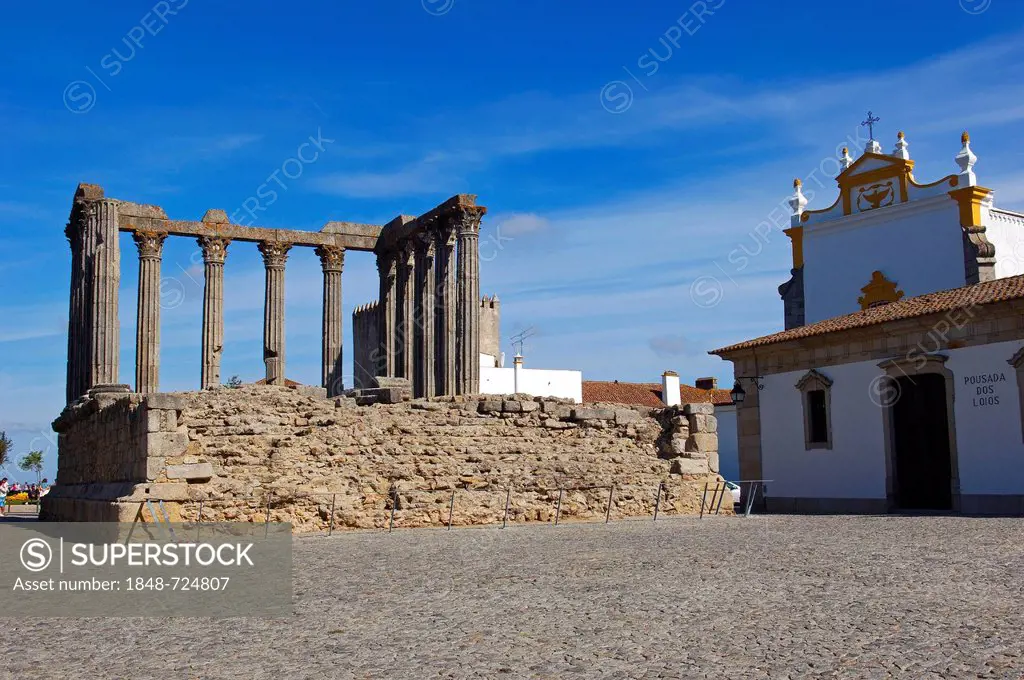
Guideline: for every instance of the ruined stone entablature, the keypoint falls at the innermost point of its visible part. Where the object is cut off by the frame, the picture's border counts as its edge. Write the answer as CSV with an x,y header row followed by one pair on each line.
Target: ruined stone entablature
x,y
225,445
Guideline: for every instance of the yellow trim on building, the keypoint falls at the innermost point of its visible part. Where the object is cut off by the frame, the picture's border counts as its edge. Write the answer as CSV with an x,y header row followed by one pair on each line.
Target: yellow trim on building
x,y
796,236
969,199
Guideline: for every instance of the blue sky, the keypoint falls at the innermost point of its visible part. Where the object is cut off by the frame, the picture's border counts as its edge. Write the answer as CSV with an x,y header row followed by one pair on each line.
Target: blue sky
x,y
633,157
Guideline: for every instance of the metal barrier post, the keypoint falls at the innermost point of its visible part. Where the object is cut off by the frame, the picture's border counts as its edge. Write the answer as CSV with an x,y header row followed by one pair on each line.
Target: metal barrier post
x,y
750,499
657,502
703,499
608,512
558,507
508,495
719,506
330,528
451,508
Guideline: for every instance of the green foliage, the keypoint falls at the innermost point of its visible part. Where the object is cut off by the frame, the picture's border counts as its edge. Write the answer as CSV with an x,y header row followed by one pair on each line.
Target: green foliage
x,y
32,461
234,381
5,449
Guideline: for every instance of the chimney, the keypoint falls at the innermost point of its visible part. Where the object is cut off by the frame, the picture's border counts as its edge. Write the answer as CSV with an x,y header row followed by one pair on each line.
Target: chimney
x,y
517,365
706,384
670,388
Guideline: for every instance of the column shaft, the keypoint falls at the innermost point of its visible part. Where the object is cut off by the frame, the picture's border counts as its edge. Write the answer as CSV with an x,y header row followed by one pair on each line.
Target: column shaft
x,y
332,261
104,280
215,251
425,282
274,256
74,235
147,326
406,312
445,304
384,354
467,315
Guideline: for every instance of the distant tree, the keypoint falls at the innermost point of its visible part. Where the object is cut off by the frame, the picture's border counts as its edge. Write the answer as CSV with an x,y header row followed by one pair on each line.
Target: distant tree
x,y
5,449
33,461
234,381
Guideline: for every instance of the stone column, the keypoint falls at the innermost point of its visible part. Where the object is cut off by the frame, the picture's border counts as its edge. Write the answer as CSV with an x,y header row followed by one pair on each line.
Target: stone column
x,y
332,261
103,253
467,313
444,239
215,250
406,311
425,282
147,326
274,256
75,335
385,351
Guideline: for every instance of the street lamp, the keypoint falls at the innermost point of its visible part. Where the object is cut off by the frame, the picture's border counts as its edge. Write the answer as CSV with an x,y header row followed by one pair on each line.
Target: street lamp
x,y
738,394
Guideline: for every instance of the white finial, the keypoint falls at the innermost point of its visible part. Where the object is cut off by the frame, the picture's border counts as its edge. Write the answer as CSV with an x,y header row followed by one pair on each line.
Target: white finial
x,y
902,148
846,160
797,202
872,146
966,160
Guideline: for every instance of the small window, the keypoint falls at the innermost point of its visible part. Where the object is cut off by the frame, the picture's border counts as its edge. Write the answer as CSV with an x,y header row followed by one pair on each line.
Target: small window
x,y
816,388
817,417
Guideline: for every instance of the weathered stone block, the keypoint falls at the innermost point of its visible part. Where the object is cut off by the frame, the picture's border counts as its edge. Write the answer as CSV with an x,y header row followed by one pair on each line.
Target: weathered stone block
x,y
511,407
191,472
166,444
626,416
164,401
489,407
713,462
553,424
529,406
593,413
702,442
689,466
154,467
695,409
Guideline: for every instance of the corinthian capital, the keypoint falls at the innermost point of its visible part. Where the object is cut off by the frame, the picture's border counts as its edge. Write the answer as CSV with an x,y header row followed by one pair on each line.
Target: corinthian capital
x,y
466,219
426,245
215,249
332,258
274,253
150,243
386,265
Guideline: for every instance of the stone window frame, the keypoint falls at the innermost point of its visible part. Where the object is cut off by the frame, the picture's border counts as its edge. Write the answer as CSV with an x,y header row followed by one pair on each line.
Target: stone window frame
x,y
908,367
815,380
1017,361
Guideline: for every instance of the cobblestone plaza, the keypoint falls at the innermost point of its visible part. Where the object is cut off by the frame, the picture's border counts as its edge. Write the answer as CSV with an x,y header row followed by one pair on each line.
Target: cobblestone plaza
x,y
770,596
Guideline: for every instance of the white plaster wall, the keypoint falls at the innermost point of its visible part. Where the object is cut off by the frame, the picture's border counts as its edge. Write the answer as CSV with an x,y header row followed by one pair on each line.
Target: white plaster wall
x,y
533,381
728,443
990,444
919,247
854,467
1006,232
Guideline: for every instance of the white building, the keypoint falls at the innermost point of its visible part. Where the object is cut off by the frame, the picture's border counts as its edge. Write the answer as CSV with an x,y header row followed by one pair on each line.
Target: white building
x,y
496,379
898,382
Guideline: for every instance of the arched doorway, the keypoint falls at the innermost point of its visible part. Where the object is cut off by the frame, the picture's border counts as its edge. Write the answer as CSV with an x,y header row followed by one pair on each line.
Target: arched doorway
x,y
922,462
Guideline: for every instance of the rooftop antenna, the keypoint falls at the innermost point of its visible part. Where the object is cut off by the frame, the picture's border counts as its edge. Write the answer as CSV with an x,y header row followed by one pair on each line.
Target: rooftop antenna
x,y
519,339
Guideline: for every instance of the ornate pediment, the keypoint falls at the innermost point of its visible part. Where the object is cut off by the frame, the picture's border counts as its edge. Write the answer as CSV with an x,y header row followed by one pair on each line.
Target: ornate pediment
x,y
874,181
879,291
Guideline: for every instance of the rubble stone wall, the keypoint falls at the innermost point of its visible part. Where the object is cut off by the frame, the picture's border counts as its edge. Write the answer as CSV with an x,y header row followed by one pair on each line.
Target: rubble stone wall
x,y
255,450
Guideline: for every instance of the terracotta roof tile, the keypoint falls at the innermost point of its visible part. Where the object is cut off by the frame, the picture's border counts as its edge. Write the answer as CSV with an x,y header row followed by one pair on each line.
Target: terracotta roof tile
x,y
1010,288
647,394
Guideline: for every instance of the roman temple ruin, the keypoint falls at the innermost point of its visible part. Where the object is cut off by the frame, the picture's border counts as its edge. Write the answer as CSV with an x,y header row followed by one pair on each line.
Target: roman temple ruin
x,y
415,443
427,325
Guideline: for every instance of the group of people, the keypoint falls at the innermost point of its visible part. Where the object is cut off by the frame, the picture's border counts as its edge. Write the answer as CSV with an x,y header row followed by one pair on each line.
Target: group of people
x,y
33,491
